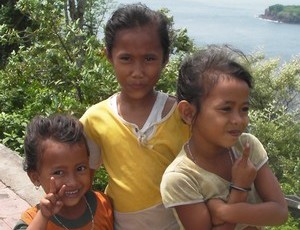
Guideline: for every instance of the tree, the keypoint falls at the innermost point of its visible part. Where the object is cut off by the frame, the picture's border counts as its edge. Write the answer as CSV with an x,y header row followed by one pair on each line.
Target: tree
x,y
275,117
61,71
14,21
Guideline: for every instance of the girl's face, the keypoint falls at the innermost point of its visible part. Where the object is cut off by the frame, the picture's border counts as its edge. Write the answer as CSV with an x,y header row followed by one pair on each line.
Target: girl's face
x,y
224,114
69,165
137,58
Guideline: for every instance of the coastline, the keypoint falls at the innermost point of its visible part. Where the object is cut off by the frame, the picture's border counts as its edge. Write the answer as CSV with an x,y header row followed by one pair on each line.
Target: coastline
x,y
277,19
289,14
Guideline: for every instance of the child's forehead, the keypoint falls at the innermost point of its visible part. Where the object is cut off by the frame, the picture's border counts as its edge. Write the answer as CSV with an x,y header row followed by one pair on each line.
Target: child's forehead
x,y
213,77
220,80
57,148
138,28
228,86
135,40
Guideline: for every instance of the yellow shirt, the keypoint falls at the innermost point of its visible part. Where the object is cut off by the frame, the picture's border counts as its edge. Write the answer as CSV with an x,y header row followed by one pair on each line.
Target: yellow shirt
x,y
135,164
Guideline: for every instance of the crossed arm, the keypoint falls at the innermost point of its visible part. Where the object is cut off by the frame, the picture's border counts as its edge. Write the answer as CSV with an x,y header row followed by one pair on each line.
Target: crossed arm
x,y
218,215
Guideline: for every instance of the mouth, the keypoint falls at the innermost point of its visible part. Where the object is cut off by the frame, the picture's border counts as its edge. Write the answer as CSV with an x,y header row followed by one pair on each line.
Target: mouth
x,y
137,86
72,193
235,133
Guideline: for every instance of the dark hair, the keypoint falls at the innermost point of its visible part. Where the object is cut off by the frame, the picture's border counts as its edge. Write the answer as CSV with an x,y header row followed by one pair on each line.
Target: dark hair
x,y
201,71
137,15
60,128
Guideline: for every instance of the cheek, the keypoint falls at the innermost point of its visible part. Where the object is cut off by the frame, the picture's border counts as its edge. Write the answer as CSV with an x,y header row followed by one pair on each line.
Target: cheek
x,y
58,183
46,185
154,70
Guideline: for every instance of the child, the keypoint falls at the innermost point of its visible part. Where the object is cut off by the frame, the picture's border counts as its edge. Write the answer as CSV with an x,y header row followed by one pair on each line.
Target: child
x,y
57,158
138,130
218,160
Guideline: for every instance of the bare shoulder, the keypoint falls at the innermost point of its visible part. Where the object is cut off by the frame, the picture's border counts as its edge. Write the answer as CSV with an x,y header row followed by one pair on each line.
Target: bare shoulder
x,y
171,101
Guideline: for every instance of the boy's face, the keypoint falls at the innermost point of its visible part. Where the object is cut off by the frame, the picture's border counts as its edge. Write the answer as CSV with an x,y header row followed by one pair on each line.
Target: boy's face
x,y
69,165
224,113
137,58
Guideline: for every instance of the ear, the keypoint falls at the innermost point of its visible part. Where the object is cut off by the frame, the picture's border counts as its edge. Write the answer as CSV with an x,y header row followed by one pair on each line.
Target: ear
x,y
187,111
34,177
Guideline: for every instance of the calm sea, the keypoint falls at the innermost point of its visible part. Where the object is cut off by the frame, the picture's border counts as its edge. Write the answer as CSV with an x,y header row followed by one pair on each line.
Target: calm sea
x,y
233,22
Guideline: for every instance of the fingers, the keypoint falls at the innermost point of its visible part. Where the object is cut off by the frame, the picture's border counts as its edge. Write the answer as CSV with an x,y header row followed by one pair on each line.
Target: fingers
x,y
53,189
54,196
246,153
52,203
62,191
213,206
243,171
52,185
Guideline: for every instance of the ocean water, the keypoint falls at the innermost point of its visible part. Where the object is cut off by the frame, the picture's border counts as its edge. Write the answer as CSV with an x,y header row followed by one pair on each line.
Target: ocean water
x,y
234,22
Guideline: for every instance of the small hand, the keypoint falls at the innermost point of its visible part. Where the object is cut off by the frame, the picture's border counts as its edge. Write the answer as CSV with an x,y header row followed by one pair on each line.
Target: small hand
x,y
243,170
213,206
51,203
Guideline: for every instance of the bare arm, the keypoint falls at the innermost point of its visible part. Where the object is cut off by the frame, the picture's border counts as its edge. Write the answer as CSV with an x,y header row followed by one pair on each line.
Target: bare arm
x,y
194,216
272,211
243,175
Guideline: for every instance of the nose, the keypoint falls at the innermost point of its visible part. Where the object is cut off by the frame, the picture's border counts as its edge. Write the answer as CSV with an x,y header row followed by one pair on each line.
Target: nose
x,y
237,118
71,180
138,70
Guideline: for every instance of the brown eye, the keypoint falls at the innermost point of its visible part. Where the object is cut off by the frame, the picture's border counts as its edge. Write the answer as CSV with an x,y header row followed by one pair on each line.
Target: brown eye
x,y
81,168
124,58
226,109
150,58
58,173
245,109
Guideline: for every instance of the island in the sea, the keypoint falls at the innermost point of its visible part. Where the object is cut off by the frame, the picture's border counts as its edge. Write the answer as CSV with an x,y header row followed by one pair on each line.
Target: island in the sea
x,y
281,13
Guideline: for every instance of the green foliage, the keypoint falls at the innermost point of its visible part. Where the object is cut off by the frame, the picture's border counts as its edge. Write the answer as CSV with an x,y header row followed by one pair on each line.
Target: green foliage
x,y
275,121
100,180
291,224
279,84
12,128
276,8
290,14
275,117
13,29
167,82
180,42
291,9
279,133
62,71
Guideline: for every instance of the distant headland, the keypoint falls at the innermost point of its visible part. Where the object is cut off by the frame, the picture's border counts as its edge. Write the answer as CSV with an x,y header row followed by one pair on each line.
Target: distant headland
x,y
280,13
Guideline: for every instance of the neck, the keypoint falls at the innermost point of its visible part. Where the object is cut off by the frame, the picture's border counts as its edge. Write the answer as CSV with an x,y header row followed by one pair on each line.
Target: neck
x,y
87,206
218,161
75,211
205,151
128,100
135,110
